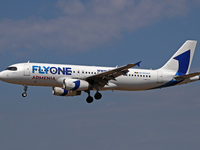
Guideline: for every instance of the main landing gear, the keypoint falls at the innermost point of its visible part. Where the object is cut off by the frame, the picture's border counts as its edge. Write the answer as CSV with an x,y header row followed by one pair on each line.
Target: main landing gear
x,y
25,89
97,96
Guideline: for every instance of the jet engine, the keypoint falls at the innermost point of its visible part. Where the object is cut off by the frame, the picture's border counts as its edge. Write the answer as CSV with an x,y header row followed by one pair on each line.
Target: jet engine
x,y
62,92
75,84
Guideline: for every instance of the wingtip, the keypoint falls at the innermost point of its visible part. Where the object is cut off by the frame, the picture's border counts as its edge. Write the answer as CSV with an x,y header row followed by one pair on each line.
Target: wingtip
x,y
138,63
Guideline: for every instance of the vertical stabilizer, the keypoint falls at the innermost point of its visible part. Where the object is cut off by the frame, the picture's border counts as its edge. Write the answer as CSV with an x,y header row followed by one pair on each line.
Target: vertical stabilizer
x,y
182,59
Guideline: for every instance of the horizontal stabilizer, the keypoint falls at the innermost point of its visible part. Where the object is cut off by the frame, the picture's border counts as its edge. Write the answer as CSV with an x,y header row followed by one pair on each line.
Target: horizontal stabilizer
x,y
186,76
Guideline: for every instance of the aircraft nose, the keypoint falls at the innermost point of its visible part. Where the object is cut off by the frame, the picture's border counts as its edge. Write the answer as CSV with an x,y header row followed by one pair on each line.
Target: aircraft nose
x,y
2,75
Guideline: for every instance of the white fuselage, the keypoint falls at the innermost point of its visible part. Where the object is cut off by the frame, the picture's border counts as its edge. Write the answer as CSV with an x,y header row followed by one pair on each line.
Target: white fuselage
x,y
71,80
40,74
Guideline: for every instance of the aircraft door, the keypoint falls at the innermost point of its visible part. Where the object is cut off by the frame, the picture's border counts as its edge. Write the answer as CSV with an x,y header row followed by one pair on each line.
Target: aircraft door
x,y
26,69
159,77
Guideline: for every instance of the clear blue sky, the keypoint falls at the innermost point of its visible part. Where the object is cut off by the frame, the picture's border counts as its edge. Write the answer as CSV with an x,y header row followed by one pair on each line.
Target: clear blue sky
x,y
104,33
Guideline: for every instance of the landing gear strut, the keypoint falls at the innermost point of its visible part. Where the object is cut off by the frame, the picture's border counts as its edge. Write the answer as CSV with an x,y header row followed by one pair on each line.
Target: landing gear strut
x,y
89,99
25,89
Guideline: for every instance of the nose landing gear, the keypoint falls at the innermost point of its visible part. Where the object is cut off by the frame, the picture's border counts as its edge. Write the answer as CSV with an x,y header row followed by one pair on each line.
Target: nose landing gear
x,y
25,89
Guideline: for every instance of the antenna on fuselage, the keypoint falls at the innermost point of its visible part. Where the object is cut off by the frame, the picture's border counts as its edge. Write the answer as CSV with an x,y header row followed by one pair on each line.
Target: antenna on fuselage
x,y
28,61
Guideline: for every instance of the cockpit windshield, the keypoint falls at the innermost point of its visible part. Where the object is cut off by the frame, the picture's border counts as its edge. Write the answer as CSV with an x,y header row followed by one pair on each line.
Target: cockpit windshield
x,y
12,68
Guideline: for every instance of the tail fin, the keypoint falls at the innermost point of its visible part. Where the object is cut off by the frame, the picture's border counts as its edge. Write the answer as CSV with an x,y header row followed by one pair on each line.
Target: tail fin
x,y
182,59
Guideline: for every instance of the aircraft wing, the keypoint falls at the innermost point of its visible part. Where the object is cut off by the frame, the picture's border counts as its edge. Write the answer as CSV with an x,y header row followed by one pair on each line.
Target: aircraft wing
x,y
186,76
104,77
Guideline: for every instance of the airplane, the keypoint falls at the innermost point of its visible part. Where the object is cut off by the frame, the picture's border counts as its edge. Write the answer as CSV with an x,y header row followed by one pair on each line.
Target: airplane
x,y
71,80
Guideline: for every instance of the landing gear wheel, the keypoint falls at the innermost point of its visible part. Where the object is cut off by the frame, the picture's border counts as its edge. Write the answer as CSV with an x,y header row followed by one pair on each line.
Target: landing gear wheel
x,y
89,99
97,96
24,94
25,89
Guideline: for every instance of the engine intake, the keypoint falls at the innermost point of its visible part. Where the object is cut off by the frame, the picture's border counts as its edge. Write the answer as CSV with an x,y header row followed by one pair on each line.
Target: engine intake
x,y
62,92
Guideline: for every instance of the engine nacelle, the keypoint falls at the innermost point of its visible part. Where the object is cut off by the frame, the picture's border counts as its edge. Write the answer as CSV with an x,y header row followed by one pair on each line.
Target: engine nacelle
x,y
62,92
75,84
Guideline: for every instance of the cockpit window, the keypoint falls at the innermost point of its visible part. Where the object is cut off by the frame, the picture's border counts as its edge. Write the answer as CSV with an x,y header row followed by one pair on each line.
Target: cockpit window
x,y
12,68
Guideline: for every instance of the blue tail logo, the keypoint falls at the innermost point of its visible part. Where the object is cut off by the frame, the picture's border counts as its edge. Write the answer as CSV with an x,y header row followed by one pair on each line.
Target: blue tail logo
x,y
183,60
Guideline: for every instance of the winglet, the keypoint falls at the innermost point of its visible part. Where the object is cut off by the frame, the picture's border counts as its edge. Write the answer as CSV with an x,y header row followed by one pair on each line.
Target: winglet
x,y
138,63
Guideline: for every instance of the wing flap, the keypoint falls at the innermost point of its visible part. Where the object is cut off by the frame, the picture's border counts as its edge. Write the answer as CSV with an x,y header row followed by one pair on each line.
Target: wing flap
x,y
104,77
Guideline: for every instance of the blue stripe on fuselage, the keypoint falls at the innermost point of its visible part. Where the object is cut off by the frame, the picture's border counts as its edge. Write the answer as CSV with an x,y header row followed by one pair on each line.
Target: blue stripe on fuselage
x,y
170,83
